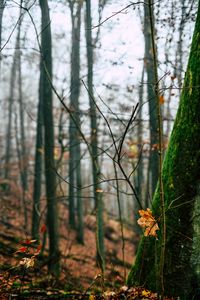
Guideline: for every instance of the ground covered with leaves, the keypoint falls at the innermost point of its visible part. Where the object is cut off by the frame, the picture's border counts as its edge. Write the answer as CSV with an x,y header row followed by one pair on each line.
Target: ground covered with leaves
x,y
23,261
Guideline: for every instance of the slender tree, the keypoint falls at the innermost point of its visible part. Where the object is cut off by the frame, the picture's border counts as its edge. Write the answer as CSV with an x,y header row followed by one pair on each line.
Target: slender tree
x,y
153,123
38,163
140,171
10,117
181,177
23,162
94,137
2,6
139,177
179,52
75,181
50,175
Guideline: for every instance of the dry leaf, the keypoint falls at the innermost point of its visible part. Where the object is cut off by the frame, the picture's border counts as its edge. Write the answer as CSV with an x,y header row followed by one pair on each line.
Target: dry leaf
x,y
99,191
28,242
43,228
161,99
27,262
22,250
148,222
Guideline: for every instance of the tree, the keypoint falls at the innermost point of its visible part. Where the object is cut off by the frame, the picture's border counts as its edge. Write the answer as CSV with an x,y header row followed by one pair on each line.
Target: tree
x,y
23,165
50,175
2,6
179,52
153,123
75,181
140,171
94,138
10,115
38,164
181,175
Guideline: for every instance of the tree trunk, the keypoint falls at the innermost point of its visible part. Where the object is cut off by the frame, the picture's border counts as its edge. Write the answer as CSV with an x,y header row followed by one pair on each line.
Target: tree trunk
x,y
140,169
153,123
75,181
23,153
50,175
10,117
181,175
2,6
94,137
179,52
38,164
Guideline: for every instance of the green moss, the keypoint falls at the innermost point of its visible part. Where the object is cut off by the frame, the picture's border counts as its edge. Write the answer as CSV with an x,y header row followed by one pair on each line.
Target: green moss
x,y
181,176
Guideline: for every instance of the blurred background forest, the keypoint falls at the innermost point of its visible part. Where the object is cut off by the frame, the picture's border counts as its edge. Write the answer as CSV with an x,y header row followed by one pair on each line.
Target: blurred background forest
x,y
78,128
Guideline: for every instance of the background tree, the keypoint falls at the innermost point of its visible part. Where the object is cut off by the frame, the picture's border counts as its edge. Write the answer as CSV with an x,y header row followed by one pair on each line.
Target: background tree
x,y
98,200
10,115
39,149
181,182
75,182
2,6
153,123
50,175
23,160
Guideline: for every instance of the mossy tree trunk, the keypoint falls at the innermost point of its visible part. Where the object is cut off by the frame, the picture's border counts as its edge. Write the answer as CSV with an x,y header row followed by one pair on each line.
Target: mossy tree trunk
x,y
181,176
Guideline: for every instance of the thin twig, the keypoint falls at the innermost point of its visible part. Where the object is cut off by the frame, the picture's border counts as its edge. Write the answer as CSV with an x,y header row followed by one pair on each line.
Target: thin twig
x,y
117,13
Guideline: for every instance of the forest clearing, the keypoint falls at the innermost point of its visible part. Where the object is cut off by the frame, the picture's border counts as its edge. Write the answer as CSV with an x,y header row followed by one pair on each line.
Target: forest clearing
x,y
100,149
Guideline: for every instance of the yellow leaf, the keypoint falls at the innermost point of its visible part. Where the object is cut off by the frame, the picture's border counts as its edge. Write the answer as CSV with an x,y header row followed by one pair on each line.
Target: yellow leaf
x,y
148,222
146,293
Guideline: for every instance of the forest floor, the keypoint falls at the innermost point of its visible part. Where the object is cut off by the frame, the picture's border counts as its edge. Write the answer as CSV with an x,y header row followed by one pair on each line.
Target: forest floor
x,y
80,276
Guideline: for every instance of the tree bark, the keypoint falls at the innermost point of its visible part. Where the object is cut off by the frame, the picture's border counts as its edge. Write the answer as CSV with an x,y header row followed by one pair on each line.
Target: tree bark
x,y
153,122
23,162
50,175
2,6
75,181
181,176
39,147
94,137
10,117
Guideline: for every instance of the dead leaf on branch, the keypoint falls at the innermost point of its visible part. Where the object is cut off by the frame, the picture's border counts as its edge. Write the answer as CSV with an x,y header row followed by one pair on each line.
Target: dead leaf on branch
x,y
148,222
161,99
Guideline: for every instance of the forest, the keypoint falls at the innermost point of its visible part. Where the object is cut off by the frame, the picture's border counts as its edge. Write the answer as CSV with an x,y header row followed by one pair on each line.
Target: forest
x,y
100,149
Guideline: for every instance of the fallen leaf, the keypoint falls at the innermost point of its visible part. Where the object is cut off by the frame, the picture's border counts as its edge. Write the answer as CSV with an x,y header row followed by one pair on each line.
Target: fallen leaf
x,y
27,262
